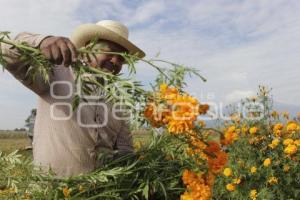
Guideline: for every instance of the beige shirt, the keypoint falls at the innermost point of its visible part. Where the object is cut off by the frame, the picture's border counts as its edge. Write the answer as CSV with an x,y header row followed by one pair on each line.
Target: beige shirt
x,y
67,142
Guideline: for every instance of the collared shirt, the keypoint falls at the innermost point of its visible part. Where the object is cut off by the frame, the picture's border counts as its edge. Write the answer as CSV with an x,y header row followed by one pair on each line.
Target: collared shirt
x,y
67,142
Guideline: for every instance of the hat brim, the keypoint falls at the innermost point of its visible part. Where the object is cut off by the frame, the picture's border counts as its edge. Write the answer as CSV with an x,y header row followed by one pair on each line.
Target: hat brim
x,y
87,32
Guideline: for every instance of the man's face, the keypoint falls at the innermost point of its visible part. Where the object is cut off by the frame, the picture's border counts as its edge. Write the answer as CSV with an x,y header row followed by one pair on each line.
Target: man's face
x,y
110,62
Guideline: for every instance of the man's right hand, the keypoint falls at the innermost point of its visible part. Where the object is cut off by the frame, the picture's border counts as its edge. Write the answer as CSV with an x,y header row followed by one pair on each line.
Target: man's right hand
x,y
59,50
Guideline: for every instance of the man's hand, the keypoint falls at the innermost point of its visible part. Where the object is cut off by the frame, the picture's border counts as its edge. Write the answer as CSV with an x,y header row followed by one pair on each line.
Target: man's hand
x,y
59,50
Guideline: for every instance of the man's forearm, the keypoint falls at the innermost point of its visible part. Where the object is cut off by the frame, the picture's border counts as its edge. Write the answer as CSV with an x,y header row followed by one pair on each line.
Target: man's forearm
x,y
17,67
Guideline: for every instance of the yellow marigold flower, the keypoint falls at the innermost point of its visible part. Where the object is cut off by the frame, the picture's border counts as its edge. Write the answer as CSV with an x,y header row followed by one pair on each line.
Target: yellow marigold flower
x,y
273,180
163,87
231,129
286,168
253,170
292,126
230,187
267,162
275,114
186,196
290,149
278,126
81,188
253,194
275,143
227,172
253,130
66,192
297,142
244,129
288,141
237,181
202,123
286,115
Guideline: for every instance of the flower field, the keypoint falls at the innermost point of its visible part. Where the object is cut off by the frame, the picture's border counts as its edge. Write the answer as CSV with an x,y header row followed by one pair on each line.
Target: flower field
x,y
254,156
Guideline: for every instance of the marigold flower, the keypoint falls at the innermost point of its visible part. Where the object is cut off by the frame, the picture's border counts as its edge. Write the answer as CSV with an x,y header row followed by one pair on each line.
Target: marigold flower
x,y
267,162
230,135
217,163
253,194
286,115
274,144
273,180
213,147
288,141
236,181
253,130
297,142
290,149
81,188
163,88
292,126
230,187
66,192
203,108
197,186
202,123
253,170
286,168
227,172
275,114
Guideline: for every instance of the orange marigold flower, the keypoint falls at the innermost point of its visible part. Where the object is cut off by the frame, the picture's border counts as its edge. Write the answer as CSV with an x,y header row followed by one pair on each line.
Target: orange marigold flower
x,y
288,141
203,108
197,186
230,135
213,147
217,162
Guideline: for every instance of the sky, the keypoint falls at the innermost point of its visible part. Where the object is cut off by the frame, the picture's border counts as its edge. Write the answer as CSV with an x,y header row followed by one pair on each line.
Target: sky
x,y
237,45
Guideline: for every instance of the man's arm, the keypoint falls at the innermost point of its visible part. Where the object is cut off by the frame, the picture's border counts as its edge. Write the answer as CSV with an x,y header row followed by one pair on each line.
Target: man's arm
x,y
19,68
58,50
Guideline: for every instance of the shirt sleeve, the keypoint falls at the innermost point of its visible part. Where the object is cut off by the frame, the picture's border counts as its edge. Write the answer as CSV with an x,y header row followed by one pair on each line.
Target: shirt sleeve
x,y
17,67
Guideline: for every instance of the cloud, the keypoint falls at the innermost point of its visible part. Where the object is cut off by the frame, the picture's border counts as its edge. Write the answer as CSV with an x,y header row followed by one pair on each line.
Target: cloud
x,y
237,95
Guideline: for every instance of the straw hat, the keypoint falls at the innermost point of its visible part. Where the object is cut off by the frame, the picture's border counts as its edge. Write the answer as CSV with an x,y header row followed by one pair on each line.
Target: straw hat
x,y
108,30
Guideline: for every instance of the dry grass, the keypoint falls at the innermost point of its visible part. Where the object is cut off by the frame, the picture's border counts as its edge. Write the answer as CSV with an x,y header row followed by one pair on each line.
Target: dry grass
x,y
11,140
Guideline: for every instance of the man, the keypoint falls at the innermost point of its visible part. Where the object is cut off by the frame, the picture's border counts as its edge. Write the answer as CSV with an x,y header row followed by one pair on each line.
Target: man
x,y
67,142
30,125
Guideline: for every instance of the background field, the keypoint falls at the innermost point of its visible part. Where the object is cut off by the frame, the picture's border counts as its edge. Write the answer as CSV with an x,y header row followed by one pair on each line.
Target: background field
x,y
14,140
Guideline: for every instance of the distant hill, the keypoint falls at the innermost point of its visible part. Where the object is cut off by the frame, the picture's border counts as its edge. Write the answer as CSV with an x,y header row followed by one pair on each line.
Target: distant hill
x,y
279,107
292,109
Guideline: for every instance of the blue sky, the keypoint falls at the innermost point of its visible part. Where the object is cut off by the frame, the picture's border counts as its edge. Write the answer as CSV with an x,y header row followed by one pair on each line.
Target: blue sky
x,y
237,45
